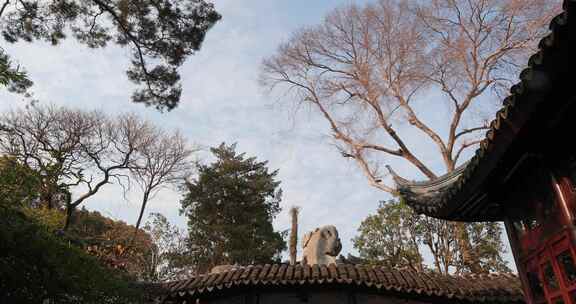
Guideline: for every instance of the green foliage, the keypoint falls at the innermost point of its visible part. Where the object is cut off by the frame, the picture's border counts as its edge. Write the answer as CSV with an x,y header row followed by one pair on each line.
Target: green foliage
x,y
160,35
488,245
52,219
230,208
112,242
396,237
12,76
390,237
170,257
18,183
35,265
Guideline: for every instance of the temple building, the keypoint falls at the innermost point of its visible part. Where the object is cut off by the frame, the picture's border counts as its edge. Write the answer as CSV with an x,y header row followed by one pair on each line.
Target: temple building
x,y
524,172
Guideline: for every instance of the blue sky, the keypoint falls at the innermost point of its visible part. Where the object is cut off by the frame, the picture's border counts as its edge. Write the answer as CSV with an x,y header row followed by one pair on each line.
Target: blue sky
x,y
221,102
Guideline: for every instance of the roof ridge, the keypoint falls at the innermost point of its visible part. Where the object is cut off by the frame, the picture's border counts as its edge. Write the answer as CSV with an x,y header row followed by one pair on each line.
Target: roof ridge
x,y
377,278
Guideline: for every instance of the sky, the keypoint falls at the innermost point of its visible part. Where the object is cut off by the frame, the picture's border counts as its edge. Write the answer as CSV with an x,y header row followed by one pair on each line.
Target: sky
x,y
221,102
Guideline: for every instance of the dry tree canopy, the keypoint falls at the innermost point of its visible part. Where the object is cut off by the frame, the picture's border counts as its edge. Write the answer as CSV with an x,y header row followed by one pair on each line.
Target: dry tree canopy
x,y
391,76
77,152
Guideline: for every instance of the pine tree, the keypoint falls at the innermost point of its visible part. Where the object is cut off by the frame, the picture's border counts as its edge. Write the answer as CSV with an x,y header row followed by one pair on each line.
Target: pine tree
x,y
160,36
230,208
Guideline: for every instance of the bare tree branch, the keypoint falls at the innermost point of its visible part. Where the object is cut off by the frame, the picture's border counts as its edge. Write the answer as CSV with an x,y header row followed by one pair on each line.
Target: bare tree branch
x,y
464,146
162,160
371,72
4,5
468,131
84,151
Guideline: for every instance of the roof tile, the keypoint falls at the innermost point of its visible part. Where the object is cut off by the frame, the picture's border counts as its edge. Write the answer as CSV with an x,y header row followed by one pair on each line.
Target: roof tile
x,y
473,288
264,273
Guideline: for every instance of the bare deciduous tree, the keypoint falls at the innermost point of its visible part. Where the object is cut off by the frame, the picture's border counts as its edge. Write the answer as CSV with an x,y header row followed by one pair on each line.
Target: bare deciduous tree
x,y
109,150
161,161
70,149
374,72
80,152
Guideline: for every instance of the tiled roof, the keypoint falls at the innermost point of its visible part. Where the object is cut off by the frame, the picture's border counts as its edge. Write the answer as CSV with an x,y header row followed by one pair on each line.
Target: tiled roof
x,y
493,288
548,73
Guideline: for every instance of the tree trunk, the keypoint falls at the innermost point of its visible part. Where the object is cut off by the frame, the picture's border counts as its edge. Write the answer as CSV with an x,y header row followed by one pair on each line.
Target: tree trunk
x,y
294,235
69,210
469,257
142,208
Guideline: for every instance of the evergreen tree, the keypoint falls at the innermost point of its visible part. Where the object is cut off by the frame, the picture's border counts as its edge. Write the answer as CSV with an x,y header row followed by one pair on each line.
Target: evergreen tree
x,y
13,76
38,265
160,35
230,208
18,183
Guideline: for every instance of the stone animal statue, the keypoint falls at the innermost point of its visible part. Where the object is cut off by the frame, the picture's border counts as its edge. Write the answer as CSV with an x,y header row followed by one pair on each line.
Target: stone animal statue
x,y
321,246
